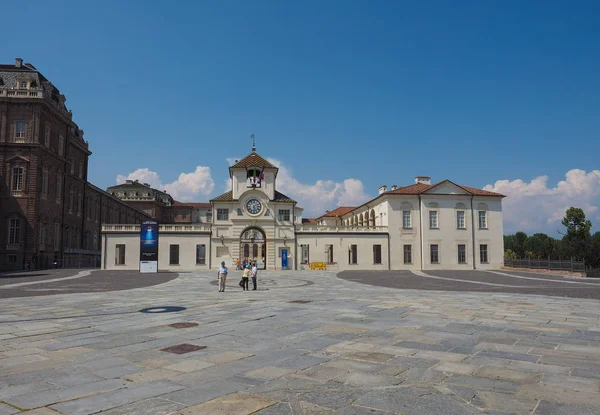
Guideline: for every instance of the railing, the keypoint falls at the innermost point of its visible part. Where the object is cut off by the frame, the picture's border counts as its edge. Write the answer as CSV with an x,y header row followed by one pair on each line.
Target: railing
x,y
21,93
161,228
338,229
560,265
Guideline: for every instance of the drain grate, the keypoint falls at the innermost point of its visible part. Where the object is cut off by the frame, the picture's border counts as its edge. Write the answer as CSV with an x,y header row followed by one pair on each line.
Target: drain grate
x,y
183,325
183,348
300,301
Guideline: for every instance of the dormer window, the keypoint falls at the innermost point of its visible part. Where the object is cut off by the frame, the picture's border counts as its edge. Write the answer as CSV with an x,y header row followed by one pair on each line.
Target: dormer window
x,y
23,84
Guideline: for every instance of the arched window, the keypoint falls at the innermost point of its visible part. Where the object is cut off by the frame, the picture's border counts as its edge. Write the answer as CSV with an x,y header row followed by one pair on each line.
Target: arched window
x,y
360,220
246,250
254,251
372,219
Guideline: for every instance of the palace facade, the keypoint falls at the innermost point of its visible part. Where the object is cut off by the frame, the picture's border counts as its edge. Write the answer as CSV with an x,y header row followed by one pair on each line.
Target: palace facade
x,y
420,226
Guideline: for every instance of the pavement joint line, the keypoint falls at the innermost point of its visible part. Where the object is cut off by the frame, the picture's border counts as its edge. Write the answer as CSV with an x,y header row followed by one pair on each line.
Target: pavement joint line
x,y
422,274
80,274
542,279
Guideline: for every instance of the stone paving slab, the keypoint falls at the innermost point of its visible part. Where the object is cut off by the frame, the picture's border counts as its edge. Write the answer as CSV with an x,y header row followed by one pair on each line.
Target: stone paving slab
x,y
354,349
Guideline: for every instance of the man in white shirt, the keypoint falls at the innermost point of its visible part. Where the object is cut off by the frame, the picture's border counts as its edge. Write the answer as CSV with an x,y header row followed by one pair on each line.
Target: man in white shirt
x,y
222,275
253,272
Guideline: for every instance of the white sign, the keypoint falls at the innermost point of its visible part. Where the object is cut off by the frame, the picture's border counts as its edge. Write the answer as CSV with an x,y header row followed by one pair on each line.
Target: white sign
x,y
148,266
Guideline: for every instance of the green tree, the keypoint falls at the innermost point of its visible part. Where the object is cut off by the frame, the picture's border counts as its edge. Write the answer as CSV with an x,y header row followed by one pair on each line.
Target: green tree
x,y
578,238
520,239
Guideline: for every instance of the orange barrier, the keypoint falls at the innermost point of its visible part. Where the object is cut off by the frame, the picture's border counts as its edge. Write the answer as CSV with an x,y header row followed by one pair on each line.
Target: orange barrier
x,y
318,265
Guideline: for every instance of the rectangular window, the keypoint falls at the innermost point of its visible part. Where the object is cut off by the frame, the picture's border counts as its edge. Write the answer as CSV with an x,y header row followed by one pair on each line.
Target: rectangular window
x,y
120,254
14,231
20,128
329,253
284,215
57,236
200,254
460,219
433,219
483,254
17,179
353,254
72,166
434,254
304,254
222,214
12,259
42,234
408,254
173,254
406,223
462,254
47,137
376,254
78,203
61,145
44,181
482,219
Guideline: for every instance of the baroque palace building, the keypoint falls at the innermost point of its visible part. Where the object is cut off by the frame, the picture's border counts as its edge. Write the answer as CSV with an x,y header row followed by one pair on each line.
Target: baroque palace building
x,y
49,211
419,226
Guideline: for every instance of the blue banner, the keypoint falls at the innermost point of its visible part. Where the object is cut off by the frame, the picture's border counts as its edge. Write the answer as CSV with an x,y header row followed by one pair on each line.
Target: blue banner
x,y
284,258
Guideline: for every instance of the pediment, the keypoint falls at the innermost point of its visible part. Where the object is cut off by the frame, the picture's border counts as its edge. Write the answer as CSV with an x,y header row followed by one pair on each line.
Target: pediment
x,y
446,188
17,158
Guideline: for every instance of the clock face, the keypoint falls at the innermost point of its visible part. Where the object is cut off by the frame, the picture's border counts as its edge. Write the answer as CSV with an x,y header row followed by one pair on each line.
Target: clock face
x,y
253,206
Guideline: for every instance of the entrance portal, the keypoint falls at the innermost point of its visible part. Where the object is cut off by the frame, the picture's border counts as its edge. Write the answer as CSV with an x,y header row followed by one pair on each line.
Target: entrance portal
x,y
253,247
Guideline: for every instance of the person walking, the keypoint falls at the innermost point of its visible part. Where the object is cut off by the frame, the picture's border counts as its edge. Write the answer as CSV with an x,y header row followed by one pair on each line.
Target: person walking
x,y
245,276
253,273
222,275
237,265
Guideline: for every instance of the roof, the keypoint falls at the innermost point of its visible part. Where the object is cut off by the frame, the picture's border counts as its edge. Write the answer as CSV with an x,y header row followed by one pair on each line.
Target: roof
x,y
420,188
228,197
342,210
309,221
253,160
195,205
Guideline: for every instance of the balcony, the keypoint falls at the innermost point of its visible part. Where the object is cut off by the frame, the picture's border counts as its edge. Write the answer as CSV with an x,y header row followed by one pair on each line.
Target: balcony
x,y
161,228
340,229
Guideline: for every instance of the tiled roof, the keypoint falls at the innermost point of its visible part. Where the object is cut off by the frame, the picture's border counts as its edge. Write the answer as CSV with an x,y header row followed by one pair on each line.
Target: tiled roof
x,y
309,221
228,197
481,192
195,205
252,160
342,210
420,188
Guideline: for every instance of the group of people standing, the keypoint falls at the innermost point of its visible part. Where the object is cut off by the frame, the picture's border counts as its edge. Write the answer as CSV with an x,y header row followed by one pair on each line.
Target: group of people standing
x,y
250,270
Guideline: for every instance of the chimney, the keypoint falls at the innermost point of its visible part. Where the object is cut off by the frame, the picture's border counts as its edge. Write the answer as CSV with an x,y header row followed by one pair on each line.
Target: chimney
x,y
394,187
146,184
423,179
128,181
382,189
18,62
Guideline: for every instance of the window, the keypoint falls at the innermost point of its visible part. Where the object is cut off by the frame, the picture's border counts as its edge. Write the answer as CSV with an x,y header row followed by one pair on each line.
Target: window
x,y
304,254
61,145
173,254
120,255
329,253
80,170
14,231
200,254
222,214
408,254
72,166
23,84
95,246
434,254
71,200
20,128
44,181
460,219
47,137
42,234
433,219
462,254
57,236
482,219
406,219
78,203
284,215
376,254
12,259
17,179
483,254
58,188
353,254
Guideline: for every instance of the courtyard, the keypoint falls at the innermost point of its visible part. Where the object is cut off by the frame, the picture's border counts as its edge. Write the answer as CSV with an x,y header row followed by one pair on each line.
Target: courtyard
x,y
444,342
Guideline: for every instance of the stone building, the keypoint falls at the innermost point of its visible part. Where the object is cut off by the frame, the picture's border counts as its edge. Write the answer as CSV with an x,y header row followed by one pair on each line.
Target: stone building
x,y
49,210
419,226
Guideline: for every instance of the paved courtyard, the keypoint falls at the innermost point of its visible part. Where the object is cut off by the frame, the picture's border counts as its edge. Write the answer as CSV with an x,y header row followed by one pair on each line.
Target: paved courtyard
x,y
305,343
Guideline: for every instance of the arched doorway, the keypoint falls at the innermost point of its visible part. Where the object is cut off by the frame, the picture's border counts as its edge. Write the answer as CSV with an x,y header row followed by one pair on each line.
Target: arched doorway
x,y
253,246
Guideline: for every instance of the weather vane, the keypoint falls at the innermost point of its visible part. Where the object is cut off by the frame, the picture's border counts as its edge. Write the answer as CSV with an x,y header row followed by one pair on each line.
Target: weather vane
x,y
253,142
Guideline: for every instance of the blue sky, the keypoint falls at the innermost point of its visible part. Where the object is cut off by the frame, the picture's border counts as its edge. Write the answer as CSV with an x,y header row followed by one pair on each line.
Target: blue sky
x,y
476,92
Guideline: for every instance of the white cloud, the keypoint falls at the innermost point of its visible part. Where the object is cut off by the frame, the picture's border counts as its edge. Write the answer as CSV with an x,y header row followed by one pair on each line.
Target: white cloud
x,y
535,207
188,186
322,195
